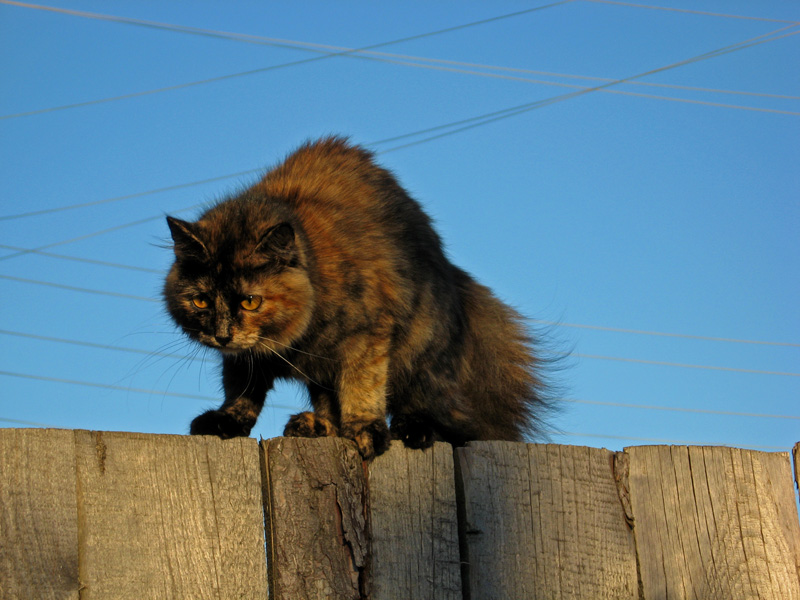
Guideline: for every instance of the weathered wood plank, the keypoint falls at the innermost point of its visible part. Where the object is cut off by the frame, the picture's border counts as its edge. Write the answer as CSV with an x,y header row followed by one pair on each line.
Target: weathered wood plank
x,y
414,525
315,499
38,515
169,517
543,521
714,522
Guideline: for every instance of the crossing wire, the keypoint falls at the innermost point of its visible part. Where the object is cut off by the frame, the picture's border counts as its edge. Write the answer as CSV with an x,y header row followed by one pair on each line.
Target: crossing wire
x,y
692,11
122,388
523,108
570,400
449,129
210,33
577,355
90,261
705,411
364,53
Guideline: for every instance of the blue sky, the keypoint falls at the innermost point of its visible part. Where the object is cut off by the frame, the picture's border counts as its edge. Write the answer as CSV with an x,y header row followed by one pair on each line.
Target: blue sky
x,y
664,203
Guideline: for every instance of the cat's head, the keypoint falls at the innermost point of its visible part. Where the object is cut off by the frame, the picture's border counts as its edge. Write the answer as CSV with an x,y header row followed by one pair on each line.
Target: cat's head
x,y
239,282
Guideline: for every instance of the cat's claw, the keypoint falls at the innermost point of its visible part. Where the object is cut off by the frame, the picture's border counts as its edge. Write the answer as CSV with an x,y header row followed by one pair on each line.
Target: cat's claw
x,y
372,439
414,432
221,424
307,424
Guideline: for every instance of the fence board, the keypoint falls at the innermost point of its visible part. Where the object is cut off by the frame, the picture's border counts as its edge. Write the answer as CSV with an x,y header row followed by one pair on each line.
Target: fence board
x,y
124,515
38,528
714,522
414,525
169,517
314,501
544,521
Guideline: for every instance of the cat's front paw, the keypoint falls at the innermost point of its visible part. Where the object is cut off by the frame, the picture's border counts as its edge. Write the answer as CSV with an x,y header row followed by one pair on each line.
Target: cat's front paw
x,y
219,423
372,439
414,432
308,424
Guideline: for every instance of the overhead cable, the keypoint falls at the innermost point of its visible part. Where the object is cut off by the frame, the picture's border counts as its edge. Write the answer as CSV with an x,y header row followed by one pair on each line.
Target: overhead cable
x,y
73,288
211,33
415,61
122,388
578,355
480,120
661,333
90,261
692,11
704,411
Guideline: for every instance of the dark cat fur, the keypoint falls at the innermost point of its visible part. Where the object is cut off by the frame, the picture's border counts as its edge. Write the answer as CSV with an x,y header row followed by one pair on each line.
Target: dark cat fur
x,y
358,301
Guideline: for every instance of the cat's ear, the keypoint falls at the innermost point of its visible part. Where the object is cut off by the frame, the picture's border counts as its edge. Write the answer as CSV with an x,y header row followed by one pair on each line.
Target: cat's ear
x,y
278,240
187,244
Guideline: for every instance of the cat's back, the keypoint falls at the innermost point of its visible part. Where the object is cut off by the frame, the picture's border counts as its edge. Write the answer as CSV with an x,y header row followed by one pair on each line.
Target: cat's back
x,y
338,192
328,172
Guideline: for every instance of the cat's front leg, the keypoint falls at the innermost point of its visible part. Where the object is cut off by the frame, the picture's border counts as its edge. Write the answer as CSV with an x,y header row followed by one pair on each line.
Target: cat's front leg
x,y
246,385
362,395
320,423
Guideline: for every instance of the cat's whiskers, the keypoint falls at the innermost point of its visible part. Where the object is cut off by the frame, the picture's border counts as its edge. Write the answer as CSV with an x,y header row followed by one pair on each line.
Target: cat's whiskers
x,y
288,362
262,337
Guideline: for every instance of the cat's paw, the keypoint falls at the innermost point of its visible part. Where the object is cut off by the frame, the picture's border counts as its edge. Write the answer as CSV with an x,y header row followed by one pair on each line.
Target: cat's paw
x,y
372,438
221,424
307,424
414,432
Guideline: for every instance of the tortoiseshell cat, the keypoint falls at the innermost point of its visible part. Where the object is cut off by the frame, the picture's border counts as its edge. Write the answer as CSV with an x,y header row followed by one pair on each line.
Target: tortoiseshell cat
x,y
327,272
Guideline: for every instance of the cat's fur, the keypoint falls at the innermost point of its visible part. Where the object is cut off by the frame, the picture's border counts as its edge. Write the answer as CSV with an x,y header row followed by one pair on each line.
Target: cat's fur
x,y
358,301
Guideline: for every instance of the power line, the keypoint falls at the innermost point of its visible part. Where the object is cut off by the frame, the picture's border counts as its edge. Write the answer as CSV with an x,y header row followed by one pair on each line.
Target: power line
x,y
704,411
661,333
523,108
465,123
474,122
97,346
542,321
201,397
121,388
211,33
364,53
90,261
579,355
73,288
683,365
169,188
97,233
196,358
694,12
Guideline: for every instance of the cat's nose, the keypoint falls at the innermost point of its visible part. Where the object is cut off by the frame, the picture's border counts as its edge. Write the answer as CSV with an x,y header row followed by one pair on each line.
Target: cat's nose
x,y
222,340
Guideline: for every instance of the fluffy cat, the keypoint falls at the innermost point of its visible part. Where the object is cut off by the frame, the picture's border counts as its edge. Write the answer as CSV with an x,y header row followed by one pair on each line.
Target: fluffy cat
x,y
327,272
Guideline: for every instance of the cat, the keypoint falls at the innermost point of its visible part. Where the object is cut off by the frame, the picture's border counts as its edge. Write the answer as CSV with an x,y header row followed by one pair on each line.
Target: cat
x,y
326,271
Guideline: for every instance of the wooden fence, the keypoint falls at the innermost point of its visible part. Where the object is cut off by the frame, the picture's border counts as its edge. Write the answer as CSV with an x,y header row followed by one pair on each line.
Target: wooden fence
x,y
124,515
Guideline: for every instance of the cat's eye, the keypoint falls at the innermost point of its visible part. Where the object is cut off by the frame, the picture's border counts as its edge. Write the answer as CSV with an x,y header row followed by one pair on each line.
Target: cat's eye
x,y
251,302
200,301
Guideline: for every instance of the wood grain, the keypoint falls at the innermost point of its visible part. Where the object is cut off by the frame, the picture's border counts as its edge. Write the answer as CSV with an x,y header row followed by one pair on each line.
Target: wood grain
x,y
315,499
38,515
715,522
123,515
544,521
169,517
414,524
